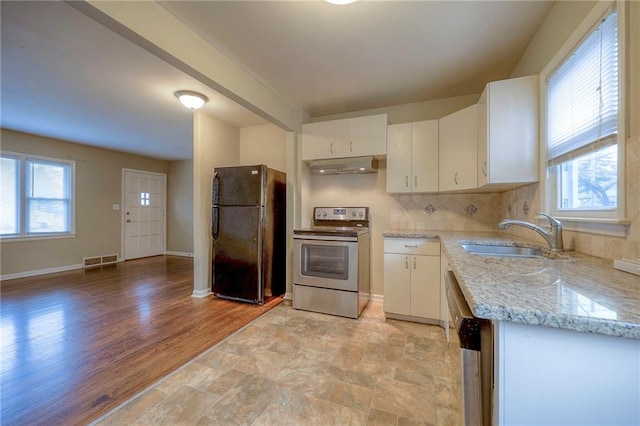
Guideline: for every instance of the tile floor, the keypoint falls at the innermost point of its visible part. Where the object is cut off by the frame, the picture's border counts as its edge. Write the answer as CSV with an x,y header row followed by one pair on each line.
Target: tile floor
x,y
292,367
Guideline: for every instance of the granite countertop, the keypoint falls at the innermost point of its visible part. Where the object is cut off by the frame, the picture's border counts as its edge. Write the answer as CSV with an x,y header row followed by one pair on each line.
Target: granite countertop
x,y
572,290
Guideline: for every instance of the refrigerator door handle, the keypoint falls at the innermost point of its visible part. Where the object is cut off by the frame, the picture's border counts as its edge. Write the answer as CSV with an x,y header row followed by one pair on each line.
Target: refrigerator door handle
x,y
215,222
215,191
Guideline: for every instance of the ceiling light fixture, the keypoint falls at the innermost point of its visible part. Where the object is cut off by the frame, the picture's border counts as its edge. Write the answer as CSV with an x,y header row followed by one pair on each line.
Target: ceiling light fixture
x,y
192,100
340,2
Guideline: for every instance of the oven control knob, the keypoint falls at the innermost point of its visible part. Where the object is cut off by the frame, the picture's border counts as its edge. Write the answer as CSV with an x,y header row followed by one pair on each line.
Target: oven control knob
x,y
324,214
361,214
353,213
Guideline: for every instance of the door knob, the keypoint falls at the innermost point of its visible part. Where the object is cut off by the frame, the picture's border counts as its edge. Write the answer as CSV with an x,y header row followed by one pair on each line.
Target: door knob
x,y
128,220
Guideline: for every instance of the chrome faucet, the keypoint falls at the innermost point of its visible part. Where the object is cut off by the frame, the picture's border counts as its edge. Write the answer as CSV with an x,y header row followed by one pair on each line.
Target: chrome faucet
x,y
552,236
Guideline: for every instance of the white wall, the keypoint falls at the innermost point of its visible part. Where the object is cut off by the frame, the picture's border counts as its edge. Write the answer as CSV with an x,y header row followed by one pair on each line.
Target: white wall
x,y
180,207
215,143
265,144
417,111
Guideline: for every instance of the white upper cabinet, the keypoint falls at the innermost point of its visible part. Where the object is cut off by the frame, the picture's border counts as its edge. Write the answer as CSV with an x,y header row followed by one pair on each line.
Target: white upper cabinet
x,y
349,137
458,150
508,114
412,157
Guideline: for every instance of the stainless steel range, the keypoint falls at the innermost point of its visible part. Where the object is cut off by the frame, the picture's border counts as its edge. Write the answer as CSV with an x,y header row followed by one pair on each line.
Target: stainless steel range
x,y
331,262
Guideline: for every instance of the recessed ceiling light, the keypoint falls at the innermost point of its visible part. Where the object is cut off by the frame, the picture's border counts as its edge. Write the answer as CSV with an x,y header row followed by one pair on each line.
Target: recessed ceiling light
x,y
192,100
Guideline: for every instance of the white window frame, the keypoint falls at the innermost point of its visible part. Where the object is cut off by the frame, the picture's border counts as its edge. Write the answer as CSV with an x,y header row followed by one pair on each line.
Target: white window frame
x,y
22,235
613,221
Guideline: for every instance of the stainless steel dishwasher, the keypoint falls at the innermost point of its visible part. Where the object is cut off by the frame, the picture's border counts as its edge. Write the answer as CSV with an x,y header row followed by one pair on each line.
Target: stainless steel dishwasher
x,y
476,354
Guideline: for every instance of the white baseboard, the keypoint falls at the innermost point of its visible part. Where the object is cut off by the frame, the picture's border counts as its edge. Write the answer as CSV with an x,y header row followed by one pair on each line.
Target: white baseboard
x,y
288,296
376,297
179,253
199,294
39,272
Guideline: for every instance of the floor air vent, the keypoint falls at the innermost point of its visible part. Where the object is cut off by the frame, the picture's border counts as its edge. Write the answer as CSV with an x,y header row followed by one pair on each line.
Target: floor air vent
x,y
90,262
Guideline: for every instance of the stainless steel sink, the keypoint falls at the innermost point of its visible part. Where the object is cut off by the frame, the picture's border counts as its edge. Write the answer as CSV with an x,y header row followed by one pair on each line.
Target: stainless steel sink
x,y
503,251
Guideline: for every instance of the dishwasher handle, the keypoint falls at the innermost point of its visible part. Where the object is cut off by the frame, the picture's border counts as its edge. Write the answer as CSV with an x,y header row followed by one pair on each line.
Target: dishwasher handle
x,y
467,326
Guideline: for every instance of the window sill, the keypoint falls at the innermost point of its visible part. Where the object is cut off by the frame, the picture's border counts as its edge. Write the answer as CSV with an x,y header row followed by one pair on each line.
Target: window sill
x,y
608,227
36,238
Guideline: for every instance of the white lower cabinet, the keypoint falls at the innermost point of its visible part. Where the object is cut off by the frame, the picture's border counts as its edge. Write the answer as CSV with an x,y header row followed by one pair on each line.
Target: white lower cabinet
x,y
412,279
551,376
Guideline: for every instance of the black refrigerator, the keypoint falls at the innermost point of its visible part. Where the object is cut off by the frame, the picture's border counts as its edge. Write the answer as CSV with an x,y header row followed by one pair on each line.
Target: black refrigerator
x,y
248,225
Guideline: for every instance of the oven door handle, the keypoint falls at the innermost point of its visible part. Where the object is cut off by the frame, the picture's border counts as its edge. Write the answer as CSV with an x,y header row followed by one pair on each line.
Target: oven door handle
x,y
324,238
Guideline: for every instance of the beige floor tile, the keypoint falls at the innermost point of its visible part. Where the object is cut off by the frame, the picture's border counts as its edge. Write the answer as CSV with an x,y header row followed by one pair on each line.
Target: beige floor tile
x,y
380,418
243,403
292,409
315,385
195,375
387,354
218,360
352,396
353,377
185,406
225,381
293,367
413,377
262,362
449,416
349,356
128,414
405,400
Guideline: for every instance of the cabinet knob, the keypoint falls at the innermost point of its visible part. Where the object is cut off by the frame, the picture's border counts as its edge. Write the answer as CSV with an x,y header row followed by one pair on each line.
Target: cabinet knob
x,y
350,146
414,263
484,168
410,246
455,178
331,148
406,263
406,181
415,181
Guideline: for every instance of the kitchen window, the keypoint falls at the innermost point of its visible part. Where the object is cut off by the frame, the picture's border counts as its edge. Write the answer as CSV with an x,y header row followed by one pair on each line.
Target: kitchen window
x,y
584,126
37,196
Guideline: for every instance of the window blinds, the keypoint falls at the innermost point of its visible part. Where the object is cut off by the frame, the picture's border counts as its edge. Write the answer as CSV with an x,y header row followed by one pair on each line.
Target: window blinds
x,y
583,96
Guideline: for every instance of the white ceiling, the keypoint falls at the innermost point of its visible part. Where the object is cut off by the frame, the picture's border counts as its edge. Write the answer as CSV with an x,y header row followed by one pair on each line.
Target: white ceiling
x,y
68,77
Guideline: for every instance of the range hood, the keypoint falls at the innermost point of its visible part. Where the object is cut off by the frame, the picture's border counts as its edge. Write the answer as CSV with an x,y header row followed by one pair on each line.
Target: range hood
x,y
344,166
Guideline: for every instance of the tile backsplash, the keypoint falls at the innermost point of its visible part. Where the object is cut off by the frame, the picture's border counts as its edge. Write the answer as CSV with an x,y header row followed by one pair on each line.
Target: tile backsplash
x,y
455,212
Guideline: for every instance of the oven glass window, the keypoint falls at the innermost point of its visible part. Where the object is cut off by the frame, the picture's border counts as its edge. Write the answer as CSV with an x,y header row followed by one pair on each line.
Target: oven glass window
x,y
325,261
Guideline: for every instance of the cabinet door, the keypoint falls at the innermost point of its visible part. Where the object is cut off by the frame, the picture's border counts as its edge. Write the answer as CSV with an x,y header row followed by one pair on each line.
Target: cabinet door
x,y
425,287
424,156
318,140
342,147
397,283
483,148
458,150
399,158
512,115
367,136
445,316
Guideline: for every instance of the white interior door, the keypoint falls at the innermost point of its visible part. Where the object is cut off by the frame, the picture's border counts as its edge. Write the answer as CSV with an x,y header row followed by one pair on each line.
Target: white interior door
x,y
144,214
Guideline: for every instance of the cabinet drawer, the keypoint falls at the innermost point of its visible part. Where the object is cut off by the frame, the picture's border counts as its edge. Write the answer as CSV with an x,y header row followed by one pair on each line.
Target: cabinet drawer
x,y
418,246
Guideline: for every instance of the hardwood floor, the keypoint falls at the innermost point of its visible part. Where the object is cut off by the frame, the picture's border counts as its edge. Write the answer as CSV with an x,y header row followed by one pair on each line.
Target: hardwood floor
x,y
76,344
